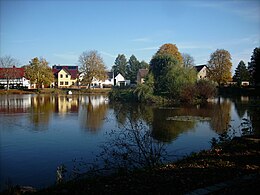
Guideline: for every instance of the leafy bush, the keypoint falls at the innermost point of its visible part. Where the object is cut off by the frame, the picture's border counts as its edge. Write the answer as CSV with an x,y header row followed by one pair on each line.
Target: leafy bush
x,y
188,94
205,89
179,78
199,92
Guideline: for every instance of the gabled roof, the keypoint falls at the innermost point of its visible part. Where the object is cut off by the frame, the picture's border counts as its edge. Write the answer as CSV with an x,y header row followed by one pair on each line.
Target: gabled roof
x,y
199,67
143,72
15,72
72,70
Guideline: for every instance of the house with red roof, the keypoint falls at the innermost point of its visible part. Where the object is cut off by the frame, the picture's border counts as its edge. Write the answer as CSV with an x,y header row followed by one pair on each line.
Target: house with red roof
x,y
13,77
65,76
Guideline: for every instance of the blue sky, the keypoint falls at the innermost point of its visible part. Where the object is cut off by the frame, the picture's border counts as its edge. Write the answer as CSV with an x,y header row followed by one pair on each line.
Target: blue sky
x,y
61,30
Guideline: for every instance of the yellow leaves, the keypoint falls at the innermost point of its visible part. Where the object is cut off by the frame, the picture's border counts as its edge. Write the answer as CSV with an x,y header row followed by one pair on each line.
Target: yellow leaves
x,y
170,49
220,66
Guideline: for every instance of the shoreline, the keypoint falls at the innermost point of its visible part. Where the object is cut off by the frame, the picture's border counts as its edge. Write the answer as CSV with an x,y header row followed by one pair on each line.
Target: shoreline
x,y
52,91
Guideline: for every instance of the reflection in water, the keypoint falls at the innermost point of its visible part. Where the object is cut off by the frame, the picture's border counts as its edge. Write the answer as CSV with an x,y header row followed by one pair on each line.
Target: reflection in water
x,y
65,104
14,103
93,109
42,108
240,105
220,115
93,112
166,131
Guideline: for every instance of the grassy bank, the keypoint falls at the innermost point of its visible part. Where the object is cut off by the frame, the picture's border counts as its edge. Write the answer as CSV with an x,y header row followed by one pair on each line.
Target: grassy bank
x,y
224,162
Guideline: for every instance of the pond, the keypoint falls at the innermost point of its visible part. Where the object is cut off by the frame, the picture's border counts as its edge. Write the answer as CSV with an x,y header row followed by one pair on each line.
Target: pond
x,y
40,132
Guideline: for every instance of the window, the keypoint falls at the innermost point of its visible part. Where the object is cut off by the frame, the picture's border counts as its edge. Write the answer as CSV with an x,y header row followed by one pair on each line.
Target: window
x,y
67,76
61,76
61,83
66,83
73,83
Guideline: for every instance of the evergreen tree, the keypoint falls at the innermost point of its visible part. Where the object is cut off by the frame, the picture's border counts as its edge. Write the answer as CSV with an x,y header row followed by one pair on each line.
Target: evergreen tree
x,y
241,73
254,66
120,65
133,66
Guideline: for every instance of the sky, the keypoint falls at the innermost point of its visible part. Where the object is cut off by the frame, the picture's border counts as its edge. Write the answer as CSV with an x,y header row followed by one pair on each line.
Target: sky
x,y
61,30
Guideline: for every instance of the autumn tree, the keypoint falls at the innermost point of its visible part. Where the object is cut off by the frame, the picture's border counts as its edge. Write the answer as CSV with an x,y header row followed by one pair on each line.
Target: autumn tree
x,y
220,66
120,65
188,60
241,73
254,66
8,72
91,66
38,72
170,49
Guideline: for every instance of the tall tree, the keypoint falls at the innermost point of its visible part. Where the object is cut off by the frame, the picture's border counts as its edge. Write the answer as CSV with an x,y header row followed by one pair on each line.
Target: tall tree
x,y
39,73
254,66
188,60
7,63
91,66
132,68
170,49
160,65
241,73
164,59
120,65
220,66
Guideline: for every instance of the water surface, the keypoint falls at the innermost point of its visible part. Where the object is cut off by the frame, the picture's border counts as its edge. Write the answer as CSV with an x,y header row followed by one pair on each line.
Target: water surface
x,y
40,132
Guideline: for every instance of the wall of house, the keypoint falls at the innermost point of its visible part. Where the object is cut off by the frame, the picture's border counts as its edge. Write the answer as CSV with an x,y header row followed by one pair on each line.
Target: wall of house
x,y
23,82
202,74
119,78
64,79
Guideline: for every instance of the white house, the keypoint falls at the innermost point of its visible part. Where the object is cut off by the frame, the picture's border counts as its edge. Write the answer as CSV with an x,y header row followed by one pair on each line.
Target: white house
x,y
14,76
110,81
202,71
119,80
